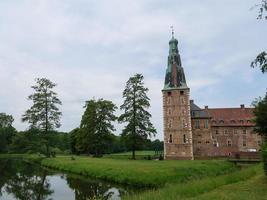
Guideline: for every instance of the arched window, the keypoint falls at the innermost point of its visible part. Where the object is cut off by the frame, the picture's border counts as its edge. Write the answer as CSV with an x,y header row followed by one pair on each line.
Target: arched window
x,y
232,121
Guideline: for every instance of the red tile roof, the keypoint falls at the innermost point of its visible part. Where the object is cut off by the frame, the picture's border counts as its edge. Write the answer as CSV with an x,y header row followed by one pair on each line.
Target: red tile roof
x,y
231,116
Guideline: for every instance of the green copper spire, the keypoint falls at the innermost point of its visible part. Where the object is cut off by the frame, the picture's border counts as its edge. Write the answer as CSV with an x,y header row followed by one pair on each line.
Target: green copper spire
x,y
175,78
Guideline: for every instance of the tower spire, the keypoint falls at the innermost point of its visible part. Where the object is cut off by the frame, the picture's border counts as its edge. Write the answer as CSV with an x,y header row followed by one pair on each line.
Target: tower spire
x,y
172,31
175,77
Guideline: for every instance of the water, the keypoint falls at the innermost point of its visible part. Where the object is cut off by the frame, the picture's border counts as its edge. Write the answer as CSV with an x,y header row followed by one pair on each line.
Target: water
x,y
20,180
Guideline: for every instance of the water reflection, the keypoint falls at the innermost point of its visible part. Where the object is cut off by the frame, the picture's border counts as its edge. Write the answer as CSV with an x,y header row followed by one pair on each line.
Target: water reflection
x,y
21,180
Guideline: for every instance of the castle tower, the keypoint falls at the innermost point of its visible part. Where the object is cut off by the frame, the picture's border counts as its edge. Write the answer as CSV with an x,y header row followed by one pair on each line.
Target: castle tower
x,y
176,109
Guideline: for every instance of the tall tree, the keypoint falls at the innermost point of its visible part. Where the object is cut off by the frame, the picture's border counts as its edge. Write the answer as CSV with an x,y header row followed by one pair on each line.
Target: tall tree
x,y
6,120
96,127
135,114
261,59
44,113
7,132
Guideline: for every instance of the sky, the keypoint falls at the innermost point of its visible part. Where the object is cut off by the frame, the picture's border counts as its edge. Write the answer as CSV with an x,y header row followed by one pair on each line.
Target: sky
x,y
91,48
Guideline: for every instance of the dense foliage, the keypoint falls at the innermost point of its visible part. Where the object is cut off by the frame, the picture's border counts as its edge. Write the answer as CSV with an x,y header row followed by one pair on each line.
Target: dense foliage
x,y
95,132
138,126
260,113
264,156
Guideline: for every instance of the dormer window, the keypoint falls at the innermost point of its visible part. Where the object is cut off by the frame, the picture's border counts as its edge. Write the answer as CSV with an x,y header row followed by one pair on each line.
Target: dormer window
x,y
221,122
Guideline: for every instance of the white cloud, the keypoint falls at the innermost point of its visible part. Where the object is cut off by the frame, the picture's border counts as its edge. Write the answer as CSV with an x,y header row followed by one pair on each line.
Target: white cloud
x,y
90,48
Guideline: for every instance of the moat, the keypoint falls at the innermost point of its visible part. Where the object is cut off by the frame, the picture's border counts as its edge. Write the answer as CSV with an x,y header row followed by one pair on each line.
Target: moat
x,y
21,180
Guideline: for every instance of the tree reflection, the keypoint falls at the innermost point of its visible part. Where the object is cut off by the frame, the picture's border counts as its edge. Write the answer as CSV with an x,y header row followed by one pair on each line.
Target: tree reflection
x,y
24,180
85,189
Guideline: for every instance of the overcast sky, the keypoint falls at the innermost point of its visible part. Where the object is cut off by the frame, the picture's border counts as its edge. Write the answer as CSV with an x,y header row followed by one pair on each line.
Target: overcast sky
x,y
90,49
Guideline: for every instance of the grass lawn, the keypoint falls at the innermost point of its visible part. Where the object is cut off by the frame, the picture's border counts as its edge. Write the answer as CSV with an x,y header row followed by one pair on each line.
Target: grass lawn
x,y
196,188
251,189
140,172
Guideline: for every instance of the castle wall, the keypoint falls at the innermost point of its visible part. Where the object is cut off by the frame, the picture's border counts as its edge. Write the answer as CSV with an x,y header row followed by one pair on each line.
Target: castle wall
x,y
217,141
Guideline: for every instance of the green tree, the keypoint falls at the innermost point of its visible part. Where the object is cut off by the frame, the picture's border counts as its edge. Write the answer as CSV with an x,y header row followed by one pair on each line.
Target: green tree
x,y
6,120
96,127
44,113
135,114
73,141
7,132
260,113
261,59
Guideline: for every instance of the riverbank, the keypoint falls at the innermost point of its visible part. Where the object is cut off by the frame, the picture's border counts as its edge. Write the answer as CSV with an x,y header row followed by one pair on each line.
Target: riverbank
x,y
169,179
196,188
140,173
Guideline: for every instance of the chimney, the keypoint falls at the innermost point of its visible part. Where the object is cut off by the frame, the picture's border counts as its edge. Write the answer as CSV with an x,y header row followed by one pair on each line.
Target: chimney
x,y
191,101
206,107
242,106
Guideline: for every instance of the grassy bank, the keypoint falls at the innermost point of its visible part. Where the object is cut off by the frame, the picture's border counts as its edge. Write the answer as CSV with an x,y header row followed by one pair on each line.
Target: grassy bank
x,y
213,179
254,188
139,155
30,157
194,189
139,172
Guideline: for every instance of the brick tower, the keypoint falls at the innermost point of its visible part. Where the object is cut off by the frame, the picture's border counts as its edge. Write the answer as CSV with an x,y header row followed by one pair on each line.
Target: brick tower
x,y
176,109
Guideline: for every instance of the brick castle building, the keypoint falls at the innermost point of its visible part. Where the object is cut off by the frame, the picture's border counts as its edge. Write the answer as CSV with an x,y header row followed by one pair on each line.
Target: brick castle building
x,y
191,132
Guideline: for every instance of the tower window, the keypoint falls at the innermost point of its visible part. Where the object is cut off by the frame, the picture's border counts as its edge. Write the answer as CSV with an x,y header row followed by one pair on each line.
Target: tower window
x,y
169,100
184,139
169,111
170,138
169,93
182,101
170,123
182,92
